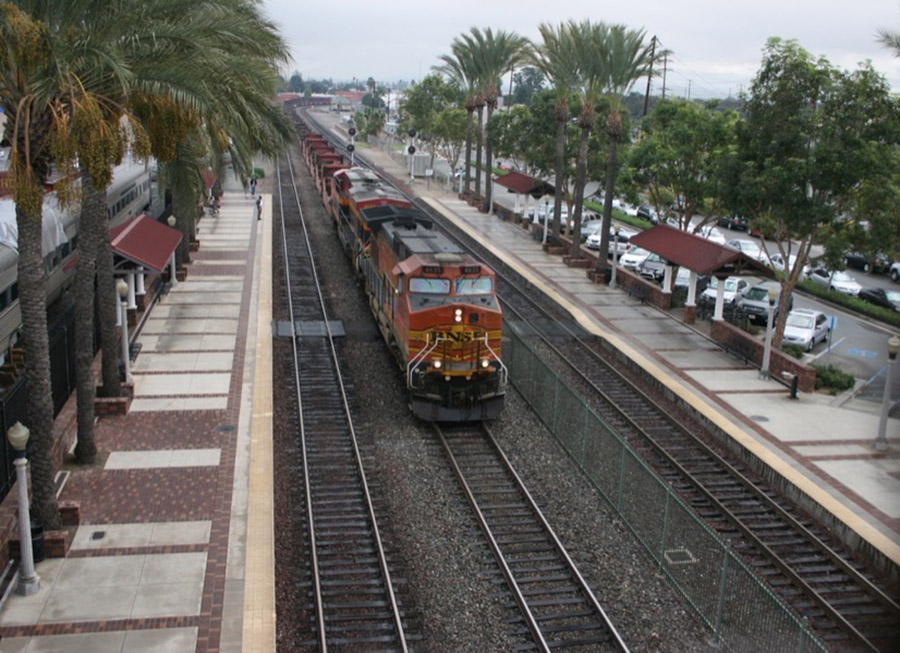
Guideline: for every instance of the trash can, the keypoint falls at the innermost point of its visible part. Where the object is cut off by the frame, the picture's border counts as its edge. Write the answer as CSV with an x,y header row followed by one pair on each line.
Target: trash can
x,y
37,541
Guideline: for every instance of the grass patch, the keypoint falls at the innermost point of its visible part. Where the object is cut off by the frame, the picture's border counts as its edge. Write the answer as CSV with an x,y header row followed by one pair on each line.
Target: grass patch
x,y
832,379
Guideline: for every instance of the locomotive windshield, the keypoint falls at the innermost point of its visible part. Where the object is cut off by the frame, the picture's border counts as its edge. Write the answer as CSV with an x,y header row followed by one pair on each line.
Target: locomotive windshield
x,y
430,286
476,286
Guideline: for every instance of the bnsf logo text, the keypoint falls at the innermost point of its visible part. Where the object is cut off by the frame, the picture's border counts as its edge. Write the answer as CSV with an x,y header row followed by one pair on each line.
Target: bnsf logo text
x,y
458,336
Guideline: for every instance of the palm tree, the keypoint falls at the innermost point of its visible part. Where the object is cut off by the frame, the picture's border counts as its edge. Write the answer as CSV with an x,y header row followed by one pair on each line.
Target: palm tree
x,y
555,58
235,46
627,58
890,39
459,66
495,53
36,73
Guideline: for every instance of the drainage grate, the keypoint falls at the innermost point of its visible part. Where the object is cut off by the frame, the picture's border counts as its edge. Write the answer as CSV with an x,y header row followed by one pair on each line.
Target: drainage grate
x,y
226,428
98,535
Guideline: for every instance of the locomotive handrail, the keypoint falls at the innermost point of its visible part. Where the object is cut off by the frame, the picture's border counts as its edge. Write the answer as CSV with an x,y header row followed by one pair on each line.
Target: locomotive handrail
x,y
504,373
419,358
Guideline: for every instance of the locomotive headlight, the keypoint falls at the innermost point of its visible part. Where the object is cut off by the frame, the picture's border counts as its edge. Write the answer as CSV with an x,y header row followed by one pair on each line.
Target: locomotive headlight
x,y
485,363
458,315
437,364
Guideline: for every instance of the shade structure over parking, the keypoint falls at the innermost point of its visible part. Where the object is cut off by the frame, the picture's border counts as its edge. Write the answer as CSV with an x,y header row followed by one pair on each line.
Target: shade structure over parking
x,y
698,254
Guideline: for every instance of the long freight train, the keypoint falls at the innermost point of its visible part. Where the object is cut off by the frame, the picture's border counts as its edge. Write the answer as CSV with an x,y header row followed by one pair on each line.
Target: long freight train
x,y
436,306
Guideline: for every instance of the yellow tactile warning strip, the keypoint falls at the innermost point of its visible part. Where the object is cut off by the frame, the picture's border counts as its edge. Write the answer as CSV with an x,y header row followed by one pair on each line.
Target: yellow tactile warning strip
x,y
259,575
780,466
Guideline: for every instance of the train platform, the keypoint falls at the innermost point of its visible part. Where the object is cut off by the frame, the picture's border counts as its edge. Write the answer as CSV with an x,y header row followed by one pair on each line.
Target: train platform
x,y
819,444
175,550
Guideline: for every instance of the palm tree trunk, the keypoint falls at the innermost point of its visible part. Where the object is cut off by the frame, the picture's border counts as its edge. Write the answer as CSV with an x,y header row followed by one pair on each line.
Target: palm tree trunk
x,y
106,310
32,301
580,173
470,127
480,139
92,208
560,166
489,153
602,263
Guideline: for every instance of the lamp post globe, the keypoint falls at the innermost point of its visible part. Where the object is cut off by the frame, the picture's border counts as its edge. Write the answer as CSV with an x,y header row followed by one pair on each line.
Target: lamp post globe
x,y
171,220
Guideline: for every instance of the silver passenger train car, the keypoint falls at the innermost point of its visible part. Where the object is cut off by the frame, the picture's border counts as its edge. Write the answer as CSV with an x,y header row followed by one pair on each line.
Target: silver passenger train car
x,y
126,198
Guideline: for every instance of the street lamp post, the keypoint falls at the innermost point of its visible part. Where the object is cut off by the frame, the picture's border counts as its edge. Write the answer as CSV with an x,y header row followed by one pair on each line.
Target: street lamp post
x,y
767,352
174,273
412,150
546,218
612,278
29,582
122,289
881,440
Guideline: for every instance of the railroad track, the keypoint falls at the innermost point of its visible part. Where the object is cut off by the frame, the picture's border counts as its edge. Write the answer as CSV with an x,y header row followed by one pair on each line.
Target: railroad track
x,y
811,571
558,607
807,568
348,582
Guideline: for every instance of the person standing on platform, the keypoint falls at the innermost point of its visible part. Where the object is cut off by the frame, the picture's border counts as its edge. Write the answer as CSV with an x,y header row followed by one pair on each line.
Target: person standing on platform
x,y
252,186
259,207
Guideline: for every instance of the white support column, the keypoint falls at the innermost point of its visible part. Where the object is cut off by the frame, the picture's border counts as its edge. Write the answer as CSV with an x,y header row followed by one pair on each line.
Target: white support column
x,y
129,278
141,289
692,290
720,300
118,312
174,277
667,280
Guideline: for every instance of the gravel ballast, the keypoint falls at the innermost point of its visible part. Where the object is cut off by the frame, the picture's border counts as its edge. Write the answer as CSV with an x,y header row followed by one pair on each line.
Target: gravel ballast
x,y
452,597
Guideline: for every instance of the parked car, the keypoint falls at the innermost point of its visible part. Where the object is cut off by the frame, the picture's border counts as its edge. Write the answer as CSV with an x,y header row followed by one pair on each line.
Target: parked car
x,y
592,226
648,213
749,248
593,241
712,234
881,297
876,263
778,263
736,222
653,267
735,288
756,302
625,207
633,257
837,281
806,328
683,277
895,271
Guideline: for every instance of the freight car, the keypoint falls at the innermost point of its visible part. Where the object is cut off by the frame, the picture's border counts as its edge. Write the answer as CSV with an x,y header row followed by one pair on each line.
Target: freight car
x,y
435,305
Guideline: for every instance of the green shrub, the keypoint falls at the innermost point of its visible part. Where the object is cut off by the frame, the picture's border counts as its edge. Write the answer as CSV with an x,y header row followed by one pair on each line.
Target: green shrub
x,y
851,303
793,350
832,379
259,173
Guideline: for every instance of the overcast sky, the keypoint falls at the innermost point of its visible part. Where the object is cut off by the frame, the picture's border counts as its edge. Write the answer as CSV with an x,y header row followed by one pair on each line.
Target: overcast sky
x,y
717,44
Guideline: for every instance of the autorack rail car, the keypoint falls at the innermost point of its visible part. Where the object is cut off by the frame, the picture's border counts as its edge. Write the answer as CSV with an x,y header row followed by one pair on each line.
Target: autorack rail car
x,y
435,305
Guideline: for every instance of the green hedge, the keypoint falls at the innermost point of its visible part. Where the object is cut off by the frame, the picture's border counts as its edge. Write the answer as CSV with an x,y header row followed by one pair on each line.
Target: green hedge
x,y
832,379
853,304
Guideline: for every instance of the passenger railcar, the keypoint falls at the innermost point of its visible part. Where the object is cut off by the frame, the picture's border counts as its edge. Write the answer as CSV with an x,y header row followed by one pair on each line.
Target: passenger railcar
x,y
435,305
127,196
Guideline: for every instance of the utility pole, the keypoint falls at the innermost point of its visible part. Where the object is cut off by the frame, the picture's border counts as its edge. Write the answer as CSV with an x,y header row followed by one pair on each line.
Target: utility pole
x,y
649,74
689,89
665,68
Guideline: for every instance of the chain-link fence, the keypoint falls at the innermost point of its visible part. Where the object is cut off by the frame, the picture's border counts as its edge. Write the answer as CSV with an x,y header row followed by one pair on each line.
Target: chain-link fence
x,y
739,608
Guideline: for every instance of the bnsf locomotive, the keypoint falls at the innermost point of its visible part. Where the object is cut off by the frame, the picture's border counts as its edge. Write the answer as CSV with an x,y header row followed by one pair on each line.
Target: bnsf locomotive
x,y
435,305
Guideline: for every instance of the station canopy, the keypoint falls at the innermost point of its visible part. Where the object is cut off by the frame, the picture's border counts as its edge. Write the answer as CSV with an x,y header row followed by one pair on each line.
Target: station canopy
x,y
144,242
698,254
516,182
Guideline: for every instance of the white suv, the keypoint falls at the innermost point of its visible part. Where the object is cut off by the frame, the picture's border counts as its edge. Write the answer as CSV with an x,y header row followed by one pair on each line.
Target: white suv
x,y
895,271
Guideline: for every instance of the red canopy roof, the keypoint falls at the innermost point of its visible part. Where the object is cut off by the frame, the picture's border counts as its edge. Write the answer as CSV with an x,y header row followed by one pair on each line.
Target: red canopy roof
x,y
697,253
145,242
519,183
